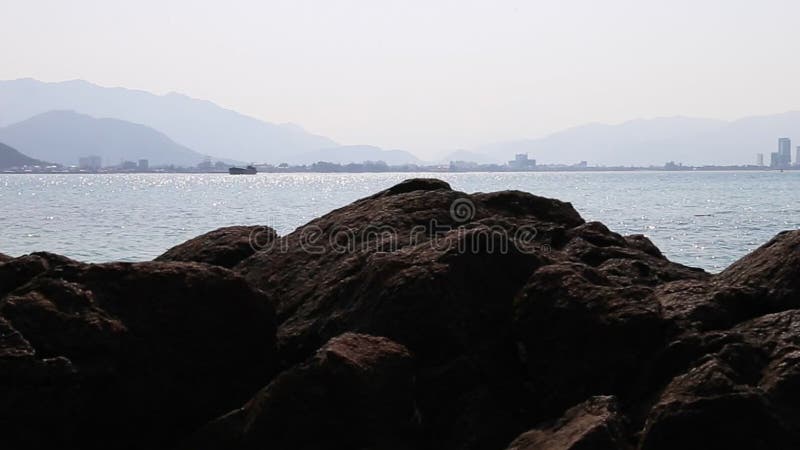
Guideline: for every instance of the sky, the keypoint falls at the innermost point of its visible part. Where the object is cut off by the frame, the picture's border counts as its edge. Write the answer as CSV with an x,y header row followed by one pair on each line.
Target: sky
x,y
425,76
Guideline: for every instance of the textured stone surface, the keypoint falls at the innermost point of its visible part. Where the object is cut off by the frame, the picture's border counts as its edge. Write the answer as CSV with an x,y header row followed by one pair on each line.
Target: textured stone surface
x,y
224,247
354,392
136,355
594,424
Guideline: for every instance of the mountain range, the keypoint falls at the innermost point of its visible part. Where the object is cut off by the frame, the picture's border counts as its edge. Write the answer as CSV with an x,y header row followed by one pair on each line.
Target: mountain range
x,y
11,157
209,130
200,125
65,136
176,129
692,141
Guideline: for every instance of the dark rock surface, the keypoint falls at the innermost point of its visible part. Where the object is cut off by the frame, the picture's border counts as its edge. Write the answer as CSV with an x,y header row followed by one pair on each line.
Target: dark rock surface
x,y
17,271
418,317
126,355
224,247
594,424
357,391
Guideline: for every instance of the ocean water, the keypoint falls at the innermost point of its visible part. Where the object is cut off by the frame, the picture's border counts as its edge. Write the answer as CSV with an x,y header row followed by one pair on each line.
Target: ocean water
x,y
703,219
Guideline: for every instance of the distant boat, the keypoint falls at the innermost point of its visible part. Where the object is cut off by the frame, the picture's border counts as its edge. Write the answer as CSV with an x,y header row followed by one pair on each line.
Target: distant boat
x,y
249,170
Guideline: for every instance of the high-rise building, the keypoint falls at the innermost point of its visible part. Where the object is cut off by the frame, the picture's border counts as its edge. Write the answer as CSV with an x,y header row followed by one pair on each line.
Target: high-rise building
x,y
797,156
144,165
774,160
784,152
760,158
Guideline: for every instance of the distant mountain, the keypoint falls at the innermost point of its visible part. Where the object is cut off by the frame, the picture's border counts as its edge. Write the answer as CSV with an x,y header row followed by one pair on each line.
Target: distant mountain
x,y
355,154
11,157
656,141
637,142
65,136
198,124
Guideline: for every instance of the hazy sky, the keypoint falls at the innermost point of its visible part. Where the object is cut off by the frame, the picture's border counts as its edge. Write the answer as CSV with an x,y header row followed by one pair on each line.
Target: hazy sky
x,y
426,76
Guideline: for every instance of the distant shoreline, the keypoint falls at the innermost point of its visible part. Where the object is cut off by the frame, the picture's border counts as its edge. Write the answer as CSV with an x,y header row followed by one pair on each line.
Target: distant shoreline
x,y
425,170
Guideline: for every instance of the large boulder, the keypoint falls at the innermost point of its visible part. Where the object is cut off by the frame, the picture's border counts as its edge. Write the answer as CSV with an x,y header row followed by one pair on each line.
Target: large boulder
x,y
433,269
137,355
357,391
224,247
438,271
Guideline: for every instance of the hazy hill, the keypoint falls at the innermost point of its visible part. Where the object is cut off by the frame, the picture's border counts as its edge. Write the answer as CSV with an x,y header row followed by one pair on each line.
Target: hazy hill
x,y
355,154
11,157
65,136
198,124
656,141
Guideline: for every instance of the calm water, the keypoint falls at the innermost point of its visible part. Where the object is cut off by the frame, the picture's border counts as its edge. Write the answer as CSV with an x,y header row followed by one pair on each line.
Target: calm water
x,y
702,219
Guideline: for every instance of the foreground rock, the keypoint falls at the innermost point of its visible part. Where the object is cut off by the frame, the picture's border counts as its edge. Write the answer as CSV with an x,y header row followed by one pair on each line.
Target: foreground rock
x,y
224,247
125,355
354,392
474,285
419,317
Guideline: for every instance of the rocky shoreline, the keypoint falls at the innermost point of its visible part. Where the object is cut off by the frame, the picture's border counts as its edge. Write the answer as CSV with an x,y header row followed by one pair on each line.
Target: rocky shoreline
x,y
417,318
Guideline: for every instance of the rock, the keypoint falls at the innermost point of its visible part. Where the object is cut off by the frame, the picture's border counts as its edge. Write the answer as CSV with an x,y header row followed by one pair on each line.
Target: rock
x,y
641,242
438,270
740,389
415,184
224,247
326,276
434,270
597,234
4,258
357,391
763,282
135,354
581,334
775,336
773,269
703,305
15,272
627,260
714,406
519,204
594,424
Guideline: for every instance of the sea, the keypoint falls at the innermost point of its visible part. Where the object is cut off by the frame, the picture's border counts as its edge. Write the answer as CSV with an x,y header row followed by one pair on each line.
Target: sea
x,y
702,219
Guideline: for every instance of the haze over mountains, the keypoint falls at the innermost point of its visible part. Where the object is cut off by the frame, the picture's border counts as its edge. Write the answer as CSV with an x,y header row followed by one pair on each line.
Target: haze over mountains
x,y
656,141
176,129
206,128
11,157
65,136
